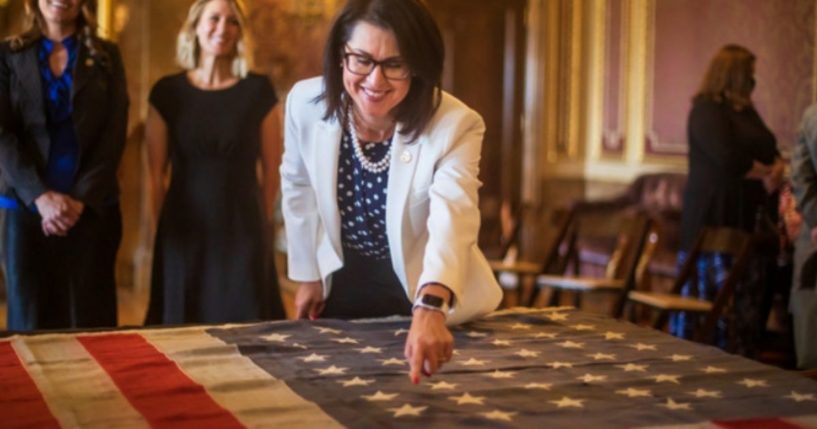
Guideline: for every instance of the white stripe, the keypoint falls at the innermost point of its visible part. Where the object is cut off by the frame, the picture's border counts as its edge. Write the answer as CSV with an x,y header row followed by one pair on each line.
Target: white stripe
x,y
77,390
699,425
809,422
255,397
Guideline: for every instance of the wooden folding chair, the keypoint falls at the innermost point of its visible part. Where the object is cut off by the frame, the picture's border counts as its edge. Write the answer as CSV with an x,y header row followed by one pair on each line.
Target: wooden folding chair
x,y
723,240
557,246
627,265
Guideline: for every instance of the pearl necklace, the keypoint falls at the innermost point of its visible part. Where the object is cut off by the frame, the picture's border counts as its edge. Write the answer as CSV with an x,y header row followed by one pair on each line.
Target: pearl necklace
x,y
365,162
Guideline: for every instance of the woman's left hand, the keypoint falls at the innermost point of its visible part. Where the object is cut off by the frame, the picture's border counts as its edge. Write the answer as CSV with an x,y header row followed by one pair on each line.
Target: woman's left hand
x,y
429,344
774,180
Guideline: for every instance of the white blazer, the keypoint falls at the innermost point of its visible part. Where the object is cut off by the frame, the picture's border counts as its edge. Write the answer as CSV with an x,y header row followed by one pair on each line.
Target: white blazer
x,y
432,214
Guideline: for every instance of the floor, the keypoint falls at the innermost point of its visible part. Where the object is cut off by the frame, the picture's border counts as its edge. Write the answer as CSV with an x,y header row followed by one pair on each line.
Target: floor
x,y
133,304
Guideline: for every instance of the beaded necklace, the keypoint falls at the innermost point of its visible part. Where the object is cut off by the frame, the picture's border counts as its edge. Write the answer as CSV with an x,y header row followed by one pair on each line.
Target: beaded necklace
x,y
365,162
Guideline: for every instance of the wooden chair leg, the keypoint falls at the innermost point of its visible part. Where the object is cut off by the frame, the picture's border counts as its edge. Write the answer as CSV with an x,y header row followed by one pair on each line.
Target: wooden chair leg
x,y
555,297
660,320
534,294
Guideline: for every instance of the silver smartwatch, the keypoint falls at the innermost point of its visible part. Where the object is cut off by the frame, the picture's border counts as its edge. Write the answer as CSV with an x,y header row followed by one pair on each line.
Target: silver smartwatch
x,y
431,302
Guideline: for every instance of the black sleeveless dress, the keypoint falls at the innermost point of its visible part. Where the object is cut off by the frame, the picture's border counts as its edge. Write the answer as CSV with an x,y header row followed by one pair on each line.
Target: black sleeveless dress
x,y
212,261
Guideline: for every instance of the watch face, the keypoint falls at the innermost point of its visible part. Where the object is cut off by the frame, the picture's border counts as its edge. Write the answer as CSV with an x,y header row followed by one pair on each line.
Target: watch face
x,y
432,300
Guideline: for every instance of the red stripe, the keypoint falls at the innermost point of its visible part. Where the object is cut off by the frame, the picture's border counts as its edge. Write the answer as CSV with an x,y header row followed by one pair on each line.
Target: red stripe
x,y
755,424
155,385
21,404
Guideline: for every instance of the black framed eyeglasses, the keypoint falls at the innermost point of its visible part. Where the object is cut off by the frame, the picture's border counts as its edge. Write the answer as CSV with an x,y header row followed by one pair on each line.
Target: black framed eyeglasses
x,y
363,65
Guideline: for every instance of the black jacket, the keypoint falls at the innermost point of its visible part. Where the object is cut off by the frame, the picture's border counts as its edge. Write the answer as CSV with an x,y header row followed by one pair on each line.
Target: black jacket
x,y
100,115
723,143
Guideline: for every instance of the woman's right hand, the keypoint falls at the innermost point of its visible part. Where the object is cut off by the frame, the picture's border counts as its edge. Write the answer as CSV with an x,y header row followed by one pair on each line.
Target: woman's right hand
x,y
309,300
58,211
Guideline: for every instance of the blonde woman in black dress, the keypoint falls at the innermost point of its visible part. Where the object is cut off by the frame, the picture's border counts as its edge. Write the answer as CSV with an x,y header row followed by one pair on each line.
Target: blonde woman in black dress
x,y
208,127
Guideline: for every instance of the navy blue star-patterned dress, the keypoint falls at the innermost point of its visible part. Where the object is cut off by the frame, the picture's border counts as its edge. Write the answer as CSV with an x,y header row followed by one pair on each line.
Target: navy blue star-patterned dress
x,y
366,286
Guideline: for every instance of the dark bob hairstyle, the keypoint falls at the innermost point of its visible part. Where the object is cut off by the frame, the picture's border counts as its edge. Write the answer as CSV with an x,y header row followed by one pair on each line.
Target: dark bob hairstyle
x,y
420,44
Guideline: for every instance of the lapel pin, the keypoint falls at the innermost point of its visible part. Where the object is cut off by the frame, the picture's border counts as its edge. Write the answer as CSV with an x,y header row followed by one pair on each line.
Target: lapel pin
x,y
405,157
89,62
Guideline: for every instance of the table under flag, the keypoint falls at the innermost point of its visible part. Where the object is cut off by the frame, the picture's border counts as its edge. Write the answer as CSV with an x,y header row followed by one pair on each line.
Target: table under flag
x,y
554,367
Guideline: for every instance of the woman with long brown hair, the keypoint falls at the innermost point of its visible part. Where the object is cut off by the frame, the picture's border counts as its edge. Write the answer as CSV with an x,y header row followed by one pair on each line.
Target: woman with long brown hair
x,y
63,118
734,166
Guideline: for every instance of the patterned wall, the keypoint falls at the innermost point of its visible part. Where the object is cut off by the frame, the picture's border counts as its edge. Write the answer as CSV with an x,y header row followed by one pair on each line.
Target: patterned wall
x,y
688,32
614,79
289,37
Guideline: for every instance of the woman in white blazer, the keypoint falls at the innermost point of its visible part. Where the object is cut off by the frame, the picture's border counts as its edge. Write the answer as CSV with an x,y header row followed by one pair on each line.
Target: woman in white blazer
x,y
379,179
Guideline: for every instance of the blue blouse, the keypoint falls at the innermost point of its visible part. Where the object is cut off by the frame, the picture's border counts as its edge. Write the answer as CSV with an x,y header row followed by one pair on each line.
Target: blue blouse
x,y
362,201
64,150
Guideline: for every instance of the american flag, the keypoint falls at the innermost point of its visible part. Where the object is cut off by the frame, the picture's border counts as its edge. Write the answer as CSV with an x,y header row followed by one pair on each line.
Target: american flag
x,y
555,368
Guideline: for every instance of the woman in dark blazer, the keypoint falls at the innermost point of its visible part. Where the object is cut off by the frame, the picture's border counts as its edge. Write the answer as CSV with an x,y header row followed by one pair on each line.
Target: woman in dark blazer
x,y
734,167
63,118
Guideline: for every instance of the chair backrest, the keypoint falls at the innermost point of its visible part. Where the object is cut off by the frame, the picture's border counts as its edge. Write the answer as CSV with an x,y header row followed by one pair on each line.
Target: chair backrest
x,y
629,246
510,222
560,245
728,241
647,245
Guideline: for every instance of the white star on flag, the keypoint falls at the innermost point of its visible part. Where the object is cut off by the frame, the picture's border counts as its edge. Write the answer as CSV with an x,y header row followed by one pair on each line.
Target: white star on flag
x,y
568,402
680,358
800,397
672,405
313,358
589,378
549,335
520,326
583,327
525,353
613,335
276,338
442,385
634,393
400,331
712,370
662,378
369,349
641,346
345,340
357,381
603,356
570,344
299,346
542,386
475,334
557,365
703,393
332,370
751,383
392,361
499,415
474,362
630,367
379,396
324,330
499,342
466,398
554,317
501,374
407,410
